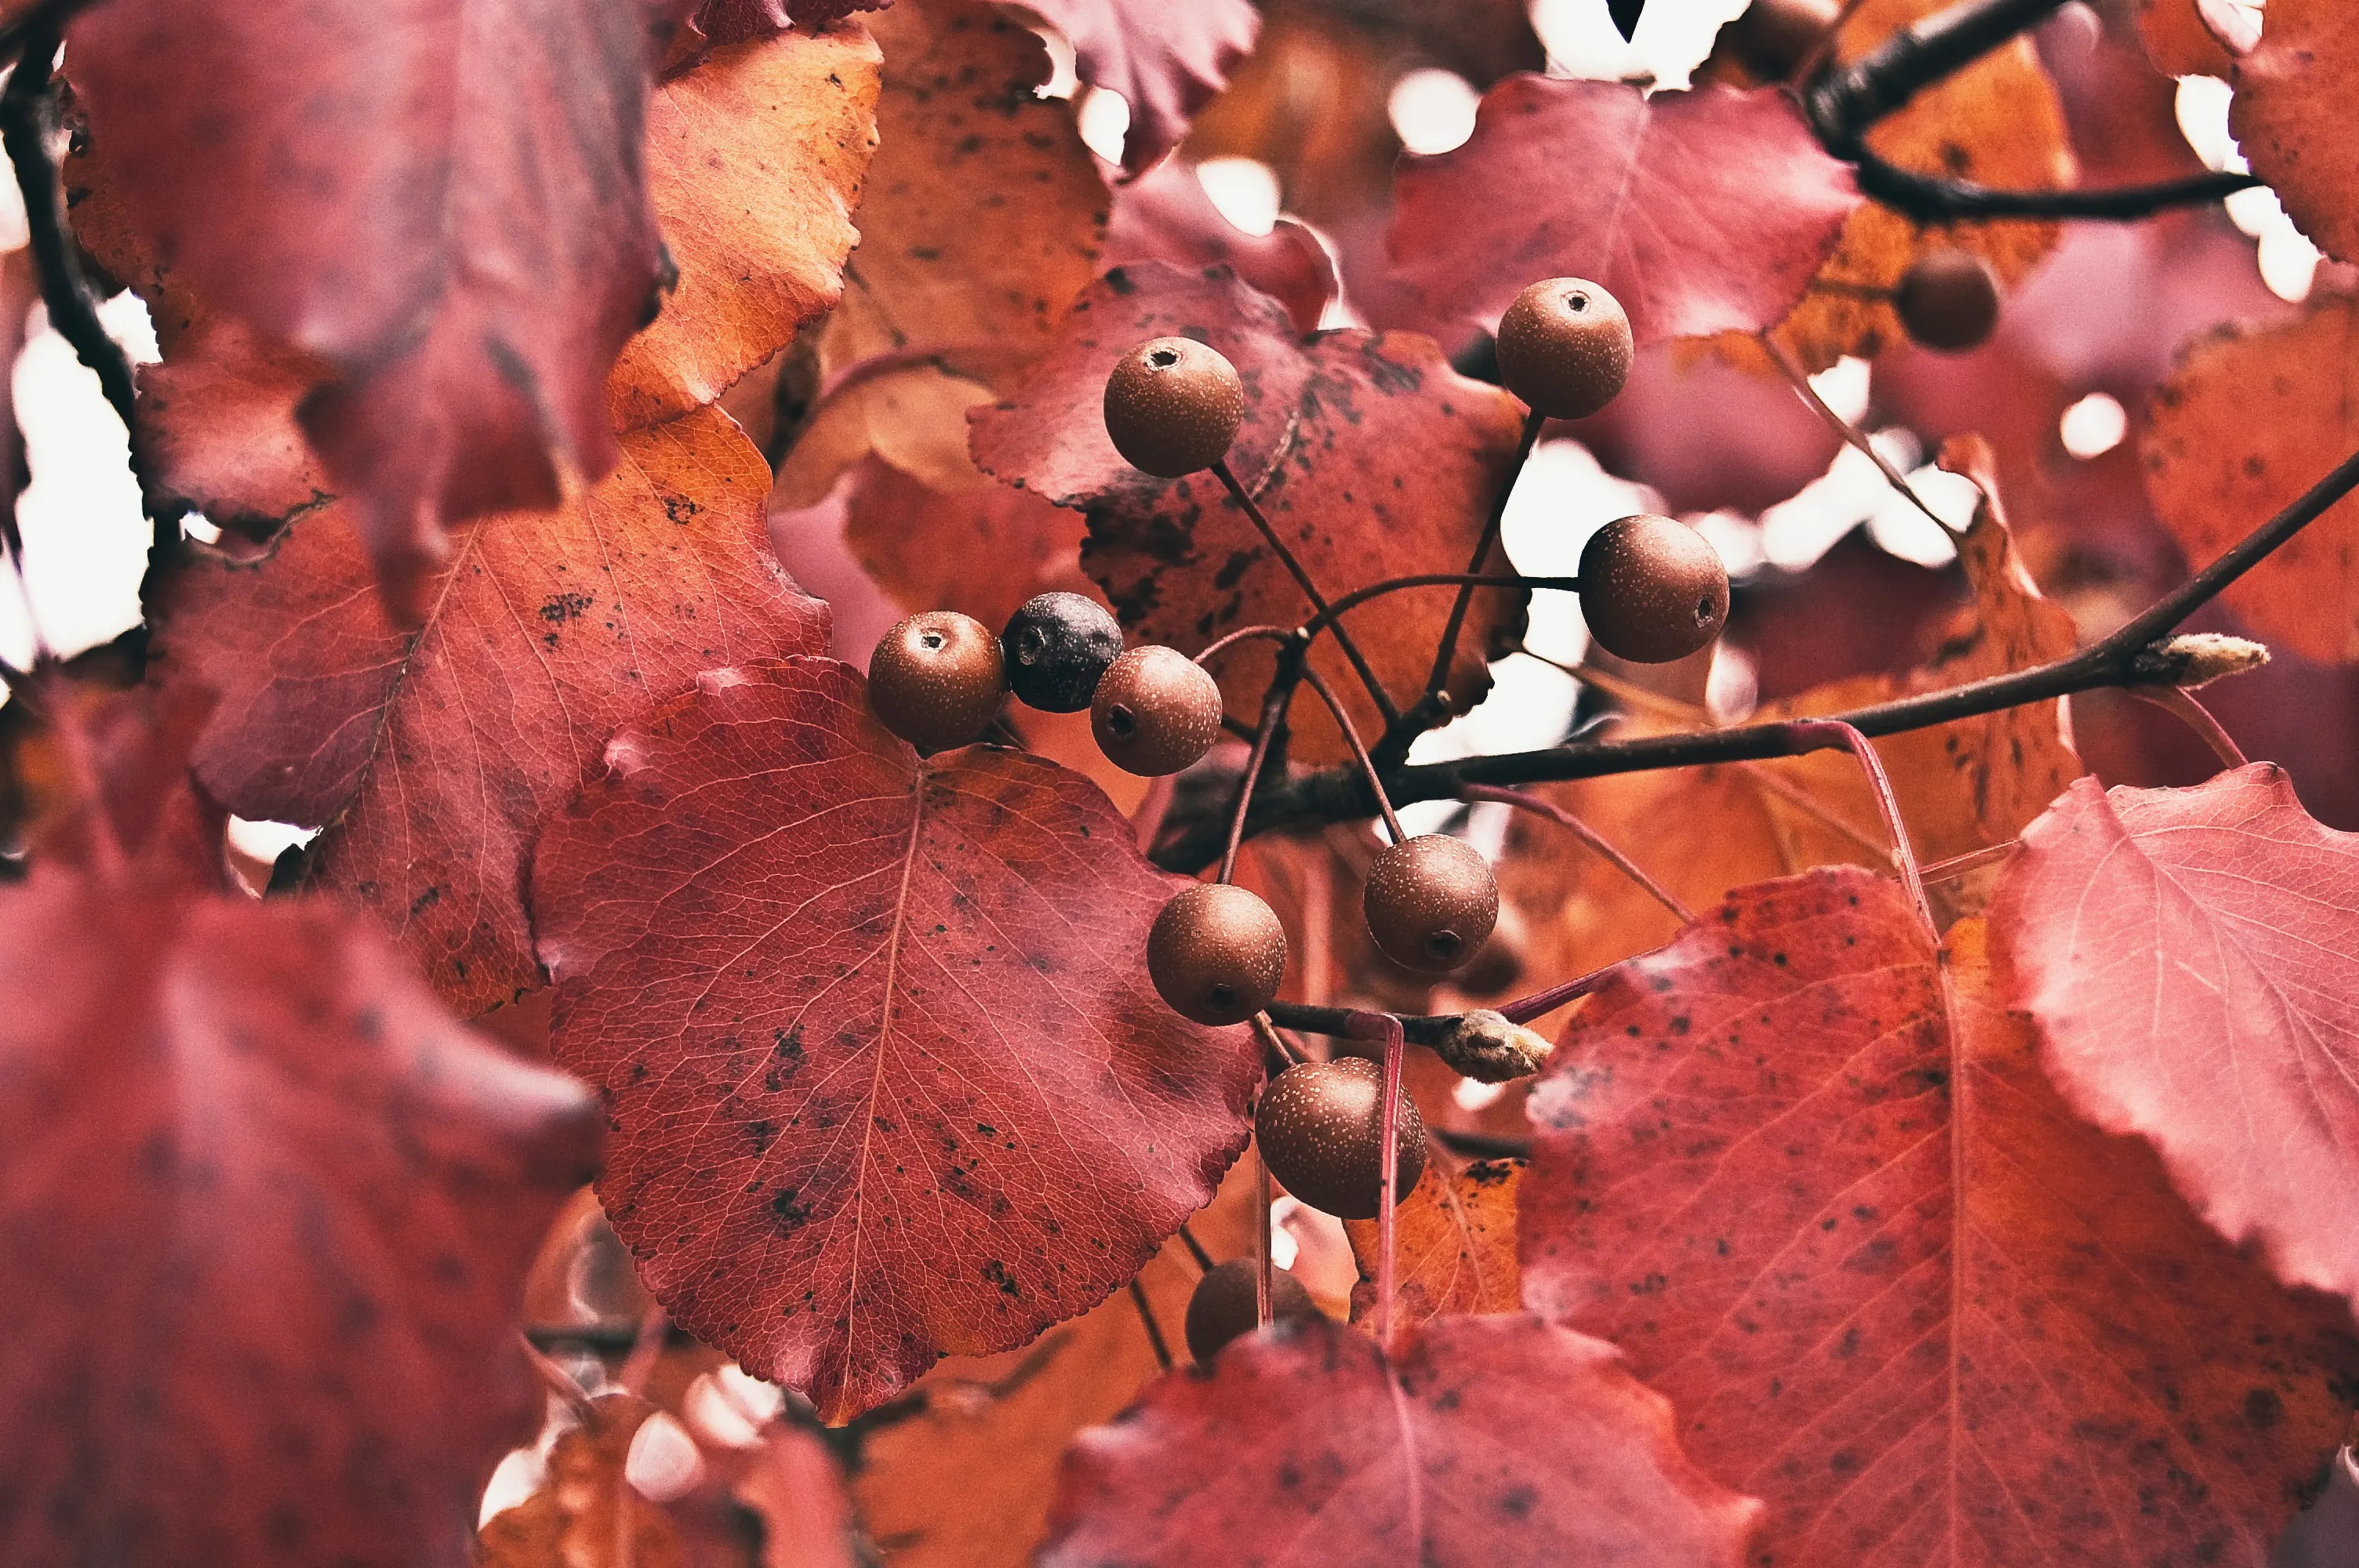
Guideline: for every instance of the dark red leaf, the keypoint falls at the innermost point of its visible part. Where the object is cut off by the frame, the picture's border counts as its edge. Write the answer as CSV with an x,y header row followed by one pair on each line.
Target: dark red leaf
x,y
1485,1442
1890,1281
1165,215
1704,211
433,754
267,1210
2193,955
886,1075
443,198
1165,59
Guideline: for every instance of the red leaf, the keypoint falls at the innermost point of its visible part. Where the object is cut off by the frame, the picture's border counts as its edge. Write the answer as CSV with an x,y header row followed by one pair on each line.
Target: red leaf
x,y
1167,60
1497,1442
1704,211
444,198
434,753
887,1079
2190,953
267,1210
1890,1281
2291,116
1165,215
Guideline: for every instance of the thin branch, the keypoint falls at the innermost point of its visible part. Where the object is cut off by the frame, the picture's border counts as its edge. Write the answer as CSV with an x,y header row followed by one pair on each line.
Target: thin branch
x,y
1302,580
1359,751
1383,1026
1245,635
1851,434
1844,103
1277,1046
1972,861
1147,1320
1928,198
1820,733
1587,835
2183,706
1482,1146
1273,714
1196,1250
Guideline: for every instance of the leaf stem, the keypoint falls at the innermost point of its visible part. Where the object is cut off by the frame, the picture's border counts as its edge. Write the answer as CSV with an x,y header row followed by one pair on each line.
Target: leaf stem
x,y
1302,580
1810,734
1383,1026
1587,835
2183,706
1273,716
1147,1321
1359,751
1195,1250
1851,434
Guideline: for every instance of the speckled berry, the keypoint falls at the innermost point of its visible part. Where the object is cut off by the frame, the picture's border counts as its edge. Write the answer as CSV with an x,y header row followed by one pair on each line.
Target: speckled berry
x,y
1652,589
1227,1305
1056,647
1216,954
1430,902
1948,301
1565,348
936,680
1319,1130
1156,711
1173,406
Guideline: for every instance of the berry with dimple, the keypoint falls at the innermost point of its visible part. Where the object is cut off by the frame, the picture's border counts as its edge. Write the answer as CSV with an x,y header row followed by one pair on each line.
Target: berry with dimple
x,y
1430,903
1227,1305
1056,647
1564,348
1774,37
1652,589
936,680
1320,1133
1216,954
1173,406
1156,711
1948,301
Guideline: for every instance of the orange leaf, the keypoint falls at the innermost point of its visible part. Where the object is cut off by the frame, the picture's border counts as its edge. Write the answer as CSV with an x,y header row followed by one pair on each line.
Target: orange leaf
x,y
1455,1248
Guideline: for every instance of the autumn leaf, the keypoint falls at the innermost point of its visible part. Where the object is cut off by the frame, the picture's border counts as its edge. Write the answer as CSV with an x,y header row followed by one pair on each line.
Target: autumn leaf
x,y
885,1076
1370,456
2189,951
1165,61
960,1471
2290,116
446,202
2177,40
755,161
431,755
1996,123
587,1515
267,1209
1454,1246
1497,1442
1702,213
1166,215
1890,1280
2252,417
982,549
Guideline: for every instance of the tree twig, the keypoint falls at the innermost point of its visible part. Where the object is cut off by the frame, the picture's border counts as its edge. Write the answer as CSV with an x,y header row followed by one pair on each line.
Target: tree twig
x,y
1147,1321
1851,434
1928,198
2183,706
1843,103
1303,580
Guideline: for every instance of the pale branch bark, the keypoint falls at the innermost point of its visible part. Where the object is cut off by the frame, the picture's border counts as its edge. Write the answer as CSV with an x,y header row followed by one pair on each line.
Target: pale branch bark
x,y
2138,653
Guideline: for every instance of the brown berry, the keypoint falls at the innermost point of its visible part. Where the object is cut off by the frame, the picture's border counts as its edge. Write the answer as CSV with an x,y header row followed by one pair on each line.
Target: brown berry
x,y
1652,589
1173,406
1320,1132
1564,348
1430,903
1156,711
937,680
1775,37
1227,1305
1948,301
1216,954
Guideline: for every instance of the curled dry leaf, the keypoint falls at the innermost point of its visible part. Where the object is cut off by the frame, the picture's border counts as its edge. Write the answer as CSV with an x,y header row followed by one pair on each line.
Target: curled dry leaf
x,y
1828,1202
755,160
2251,418
1166,215
1165,61
444,200
1370,456
1480,1443
1702,213
857,1016
1997,123
2292,117
587,1515
267,1209
1454,1246
2189,951
431,755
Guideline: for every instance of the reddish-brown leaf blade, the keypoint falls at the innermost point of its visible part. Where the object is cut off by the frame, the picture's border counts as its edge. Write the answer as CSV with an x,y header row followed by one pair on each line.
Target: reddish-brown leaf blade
x,y
1703,211
1165,61
1166,215
434,753
2193,955
2291,116
267,1210
886,1075
1486,1443
1891,1282
444,198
